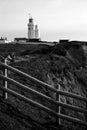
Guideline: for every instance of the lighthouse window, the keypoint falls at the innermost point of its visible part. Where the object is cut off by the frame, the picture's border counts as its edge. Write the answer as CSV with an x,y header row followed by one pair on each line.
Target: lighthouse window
x,y
31,20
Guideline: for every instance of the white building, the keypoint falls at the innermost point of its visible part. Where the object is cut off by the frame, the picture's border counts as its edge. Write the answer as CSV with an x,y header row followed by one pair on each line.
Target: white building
x,y
4,40
33,31
20,40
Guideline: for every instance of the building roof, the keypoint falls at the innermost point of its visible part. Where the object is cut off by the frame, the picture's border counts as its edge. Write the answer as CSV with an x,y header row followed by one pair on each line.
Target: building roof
x,y
22,38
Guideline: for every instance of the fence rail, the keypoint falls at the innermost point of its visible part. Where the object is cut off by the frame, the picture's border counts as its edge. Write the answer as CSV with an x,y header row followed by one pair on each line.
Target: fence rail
x,y
50,87
50,111
43,95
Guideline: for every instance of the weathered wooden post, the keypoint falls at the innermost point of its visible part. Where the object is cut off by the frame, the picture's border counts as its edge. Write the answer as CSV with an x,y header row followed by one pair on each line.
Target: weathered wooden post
x,y
86,115
8,59
58,107
6,74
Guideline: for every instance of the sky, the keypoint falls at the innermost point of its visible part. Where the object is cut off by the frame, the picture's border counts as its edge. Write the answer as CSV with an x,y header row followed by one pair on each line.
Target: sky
x,y
57,19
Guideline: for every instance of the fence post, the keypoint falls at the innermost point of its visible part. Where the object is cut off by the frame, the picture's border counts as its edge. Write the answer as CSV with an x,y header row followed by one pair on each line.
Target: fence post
x,y
6,71
58,107
86,114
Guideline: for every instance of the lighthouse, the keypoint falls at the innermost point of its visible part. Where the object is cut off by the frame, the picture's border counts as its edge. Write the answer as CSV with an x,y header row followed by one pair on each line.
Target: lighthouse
x,y
33,31
36,32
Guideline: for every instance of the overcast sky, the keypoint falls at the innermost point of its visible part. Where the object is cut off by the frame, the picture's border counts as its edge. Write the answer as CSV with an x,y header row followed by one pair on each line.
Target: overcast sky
x,y
57,19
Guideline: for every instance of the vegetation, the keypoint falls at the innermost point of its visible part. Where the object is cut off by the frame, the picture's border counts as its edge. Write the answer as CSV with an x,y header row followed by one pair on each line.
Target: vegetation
x,y
63,63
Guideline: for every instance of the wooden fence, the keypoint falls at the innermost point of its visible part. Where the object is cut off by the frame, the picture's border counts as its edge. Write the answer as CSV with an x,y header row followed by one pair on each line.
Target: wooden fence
x,y
58,115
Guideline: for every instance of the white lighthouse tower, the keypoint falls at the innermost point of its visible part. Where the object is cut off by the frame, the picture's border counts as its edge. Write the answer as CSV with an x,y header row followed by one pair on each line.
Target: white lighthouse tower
x,y
36,32
31,30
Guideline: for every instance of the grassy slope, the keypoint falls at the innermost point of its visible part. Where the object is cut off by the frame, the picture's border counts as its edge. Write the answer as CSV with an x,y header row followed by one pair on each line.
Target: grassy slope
x,y
18,48
51,68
